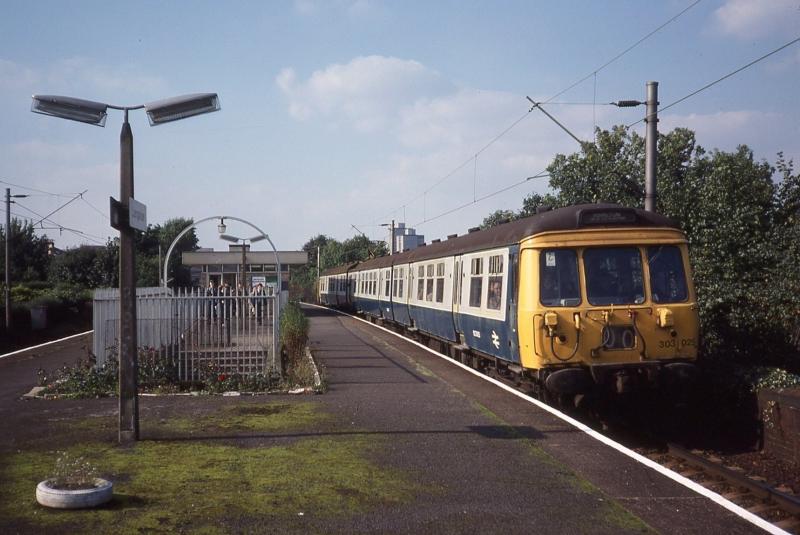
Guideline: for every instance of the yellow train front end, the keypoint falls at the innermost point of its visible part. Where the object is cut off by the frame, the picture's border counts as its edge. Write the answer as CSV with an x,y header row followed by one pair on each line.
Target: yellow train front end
x,y
609,309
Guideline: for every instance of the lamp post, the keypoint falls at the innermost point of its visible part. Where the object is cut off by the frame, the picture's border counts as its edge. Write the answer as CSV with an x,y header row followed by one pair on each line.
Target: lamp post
x,y
391,247
159,112
234,239
8,254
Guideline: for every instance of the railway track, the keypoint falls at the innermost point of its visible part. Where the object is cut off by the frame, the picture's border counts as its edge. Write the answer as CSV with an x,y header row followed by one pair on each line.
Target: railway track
x,y
776,505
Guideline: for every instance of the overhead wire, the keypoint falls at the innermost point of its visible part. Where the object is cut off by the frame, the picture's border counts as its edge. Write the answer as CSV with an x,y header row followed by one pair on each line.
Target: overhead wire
x,y
483,198
36,190
92,237
93,207
618,56
527,113
718,80
75,198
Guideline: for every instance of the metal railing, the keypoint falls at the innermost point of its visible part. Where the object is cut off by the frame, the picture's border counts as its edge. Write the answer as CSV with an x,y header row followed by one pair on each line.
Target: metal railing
x,y
196,330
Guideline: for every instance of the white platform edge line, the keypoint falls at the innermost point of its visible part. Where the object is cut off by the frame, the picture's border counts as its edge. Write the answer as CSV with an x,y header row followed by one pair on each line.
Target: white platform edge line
x,y
688,483
45,344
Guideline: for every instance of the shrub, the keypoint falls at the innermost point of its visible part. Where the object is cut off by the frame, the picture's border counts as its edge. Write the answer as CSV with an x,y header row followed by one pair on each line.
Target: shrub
x,y
294,330
83,380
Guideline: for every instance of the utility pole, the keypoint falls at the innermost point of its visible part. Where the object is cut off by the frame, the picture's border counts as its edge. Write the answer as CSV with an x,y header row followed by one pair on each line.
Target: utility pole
x,y
128,346
651,147
8,263
8,256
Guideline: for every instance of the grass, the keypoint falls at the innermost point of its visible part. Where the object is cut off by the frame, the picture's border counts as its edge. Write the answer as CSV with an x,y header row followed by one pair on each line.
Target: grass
x,y
256,417
168,486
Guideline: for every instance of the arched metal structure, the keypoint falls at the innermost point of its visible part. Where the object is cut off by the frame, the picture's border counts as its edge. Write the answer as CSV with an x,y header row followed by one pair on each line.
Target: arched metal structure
x,y
223,217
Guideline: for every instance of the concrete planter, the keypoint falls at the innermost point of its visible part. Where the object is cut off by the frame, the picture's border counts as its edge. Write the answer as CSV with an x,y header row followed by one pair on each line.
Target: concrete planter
x,y
74,499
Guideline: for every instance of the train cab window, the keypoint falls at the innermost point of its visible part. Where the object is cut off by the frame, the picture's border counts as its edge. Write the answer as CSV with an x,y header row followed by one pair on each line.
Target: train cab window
x,y
494,296
421,283
440,282
614,276
559,284
476,283
667,278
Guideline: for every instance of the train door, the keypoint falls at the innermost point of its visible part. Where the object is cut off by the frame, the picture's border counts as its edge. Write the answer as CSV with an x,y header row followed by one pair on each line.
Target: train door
x,y
457,280
512,291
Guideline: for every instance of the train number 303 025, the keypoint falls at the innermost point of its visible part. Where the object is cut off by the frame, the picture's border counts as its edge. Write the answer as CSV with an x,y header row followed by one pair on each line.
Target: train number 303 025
x,y
675,343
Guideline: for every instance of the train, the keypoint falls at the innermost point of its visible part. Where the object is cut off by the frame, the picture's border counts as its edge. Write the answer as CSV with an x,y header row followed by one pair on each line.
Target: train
x,y
586,299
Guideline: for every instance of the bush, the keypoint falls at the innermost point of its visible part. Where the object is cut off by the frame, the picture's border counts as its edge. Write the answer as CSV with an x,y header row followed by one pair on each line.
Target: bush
x,y
294,331
84,380
38,285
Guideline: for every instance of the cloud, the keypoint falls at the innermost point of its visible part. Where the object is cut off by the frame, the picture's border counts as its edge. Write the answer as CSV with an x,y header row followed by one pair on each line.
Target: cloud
x,y
366,92
747,19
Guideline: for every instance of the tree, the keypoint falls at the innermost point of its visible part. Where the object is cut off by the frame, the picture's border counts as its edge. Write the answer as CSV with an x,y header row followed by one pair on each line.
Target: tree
x,y
332,253
147,252
29,253
87,266
498,217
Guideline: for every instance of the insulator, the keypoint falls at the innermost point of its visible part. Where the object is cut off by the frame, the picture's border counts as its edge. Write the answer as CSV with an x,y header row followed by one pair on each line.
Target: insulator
x,y
628,103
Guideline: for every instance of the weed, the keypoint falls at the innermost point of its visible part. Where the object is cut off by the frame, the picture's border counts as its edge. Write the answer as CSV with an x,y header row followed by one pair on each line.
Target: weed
x,y
73,472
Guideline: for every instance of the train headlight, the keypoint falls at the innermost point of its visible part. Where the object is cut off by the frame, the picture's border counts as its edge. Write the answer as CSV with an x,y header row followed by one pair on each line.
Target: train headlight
x,y
664,317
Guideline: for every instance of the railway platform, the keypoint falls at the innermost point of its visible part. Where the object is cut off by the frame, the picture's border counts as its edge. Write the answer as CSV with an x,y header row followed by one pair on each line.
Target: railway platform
x,y
502,464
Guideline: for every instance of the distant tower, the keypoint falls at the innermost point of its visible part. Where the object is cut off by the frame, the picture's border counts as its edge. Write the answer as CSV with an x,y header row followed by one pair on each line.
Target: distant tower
x,y
406,238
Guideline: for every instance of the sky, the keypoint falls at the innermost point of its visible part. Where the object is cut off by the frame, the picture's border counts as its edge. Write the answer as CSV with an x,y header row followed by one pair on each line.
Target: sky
x,y
347,114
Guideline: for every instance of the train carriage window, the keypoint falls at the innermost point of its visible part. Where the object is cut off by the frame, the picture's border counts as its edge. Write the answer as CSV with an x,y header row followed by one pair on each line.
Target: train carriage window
x,y
476,283
667,278
400,283
558,278
421,283
440,282
614,276
429,283
495,289
388,276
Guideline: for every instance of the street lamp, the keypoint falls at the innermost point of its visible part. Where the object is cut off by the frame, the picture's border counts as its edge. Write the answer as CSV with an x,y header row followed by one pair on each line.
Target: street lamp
x,y
158,112
391,225
234,239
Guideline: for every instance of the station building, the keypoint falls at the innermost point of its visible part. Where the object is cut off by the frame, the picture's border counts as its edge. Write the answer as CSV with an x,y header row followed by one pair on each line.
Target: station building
x,y
241,265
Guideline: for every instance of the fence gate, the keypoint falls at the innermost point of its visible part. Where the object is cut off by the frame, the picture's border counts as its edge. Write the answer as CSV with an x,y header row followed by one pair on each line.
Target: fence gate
x,y
223,332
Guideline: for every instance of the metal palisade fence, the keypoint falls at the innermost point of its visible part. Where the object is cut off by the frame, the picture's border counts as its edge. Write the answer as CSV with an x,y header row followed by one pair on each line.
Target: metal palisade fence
x,y
194,330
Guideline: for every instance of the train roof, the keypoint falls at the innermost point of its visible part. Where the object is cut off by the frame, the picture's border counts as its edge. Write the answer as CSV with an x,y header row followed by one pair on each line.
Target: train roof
x,y
600,215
